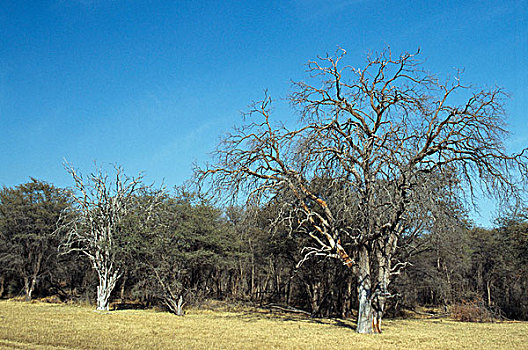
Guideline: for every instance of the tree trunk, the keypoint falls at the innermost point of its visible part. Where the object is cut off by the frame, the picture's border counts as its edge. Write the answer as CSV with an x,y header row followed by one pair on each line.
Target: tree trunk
x,y
314,291
179,307
288,292
27,293
381,291
345,307
103,297
2,280
365,313
31,282
252,291
175,306
488,289
107,282
29,286
123,285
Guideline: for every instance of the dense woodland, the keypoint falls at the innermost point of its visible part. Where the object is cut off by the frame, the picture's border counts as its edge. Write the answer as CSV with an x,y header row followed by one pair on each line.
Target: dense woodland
x,y
191,248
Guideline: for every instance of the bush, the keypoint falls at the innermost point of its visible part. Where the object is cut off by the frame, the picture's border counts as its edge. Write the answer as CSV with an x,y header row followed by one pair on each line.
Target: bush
x,y
474,310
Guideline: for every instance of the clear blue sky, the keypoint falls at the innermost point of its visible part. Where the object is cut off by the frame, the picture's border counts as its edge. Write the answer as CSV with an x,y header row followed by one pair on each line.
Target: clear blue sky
x,y
152,85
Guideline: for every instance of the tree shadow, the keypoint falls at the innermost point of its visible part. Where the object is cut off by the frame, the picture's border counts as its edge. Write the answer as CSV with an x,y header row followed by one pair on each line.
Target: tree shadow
x,y
257,315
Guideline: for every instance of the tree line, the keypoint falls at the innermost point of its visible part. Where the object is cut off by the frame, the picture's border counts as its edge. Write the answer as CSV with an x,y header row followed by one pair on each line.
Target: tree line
x,y
190,248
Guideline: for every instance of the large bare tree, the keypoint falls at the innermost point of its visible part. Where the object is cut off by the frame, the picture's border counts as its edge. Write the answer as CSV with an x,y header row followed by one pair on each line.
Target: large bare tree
x,y
376,152
95,228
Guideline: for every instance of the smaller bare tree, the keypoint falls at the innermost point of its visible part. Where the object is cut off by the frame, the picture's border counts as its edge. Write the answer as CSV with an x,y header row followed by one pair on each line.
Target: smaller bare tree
x,y
95,228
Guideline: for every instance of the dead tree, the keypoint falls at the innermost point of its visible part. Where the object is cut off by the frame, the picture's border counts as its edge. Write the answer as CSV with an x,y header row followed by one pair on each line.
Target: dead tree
x,y
94,227
375,152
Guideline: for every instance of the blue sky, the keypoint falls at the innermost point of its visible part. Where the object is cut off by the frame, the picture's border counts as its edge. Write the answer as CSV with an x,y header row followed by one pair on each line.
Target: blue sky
x,y
152,85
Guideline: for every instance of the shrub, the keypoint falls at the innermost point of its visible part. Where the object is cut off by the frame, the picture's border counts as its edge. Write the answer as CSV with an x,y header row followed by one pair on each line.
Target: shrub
x,y
474,310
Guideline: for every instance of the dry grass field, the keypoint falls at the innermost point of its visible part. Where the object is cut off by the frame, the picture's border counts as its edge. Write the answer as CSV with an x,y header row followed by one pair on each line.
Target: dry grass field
x,y
58,326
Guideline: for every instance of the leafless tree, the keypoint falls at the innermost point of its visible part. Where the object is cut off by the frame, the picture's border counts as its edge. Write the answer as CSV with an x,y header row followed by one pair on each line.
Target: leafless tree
x,y
94,227
373,153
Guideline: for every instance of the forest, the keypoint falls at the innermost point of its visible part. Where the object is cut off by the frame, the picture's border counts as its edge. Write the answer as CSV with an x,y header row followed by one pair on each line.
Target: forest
x,y
360,210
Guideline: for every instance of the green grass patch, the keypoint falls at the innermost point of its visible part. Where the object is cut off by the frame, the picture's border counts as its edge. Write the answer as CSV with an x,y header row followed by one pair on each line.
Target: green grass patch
x,y
59,326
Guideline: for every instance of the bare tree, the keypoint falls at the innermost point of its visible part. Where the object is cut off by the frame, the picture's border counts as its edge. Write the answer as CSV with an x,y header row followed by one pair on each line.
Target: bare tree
x,y
374,150
95,227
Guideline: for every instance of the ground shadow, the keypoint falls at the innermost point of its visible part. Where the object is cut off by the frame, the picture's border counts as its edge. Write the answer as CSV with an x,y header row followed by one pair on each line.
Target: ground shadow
x,y
256,315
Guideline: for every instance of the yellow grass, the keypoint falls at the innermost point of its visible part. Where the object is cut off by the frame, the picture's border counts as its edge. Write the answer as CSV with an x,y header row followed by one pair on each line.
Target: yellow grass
x,y
56,326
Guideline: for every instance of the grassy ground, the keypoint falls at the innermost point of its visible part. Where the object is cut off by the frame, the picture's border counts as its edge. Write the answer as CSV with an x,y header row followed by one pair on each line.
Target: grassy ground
x,y
56,326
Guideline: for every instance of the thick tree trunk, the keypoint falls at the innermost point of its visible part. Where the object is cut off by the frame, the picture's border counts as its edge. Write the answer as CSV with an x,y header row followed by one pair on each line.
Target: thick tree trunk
x,y
365,315
365,312
107,282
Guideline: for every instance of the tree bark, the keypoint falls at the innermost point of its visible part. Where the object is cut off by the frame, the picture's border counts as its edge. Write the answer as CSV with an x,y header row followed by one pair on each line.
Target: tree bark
x,y
381,291
365,312
107,282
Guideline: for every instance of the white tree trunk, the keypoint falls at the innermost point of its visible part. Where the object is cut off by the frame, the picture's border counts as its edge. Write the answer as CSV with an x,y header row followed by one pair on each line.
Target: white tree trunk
x,y
365,315
365,312
179,307
107,282
28,288
176,307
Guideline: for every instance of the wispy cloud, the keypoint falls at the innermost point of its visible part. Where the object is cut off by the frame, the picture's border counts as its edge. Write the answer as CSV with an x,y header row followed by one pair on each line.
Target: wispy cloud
x,y
185,145
317,9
